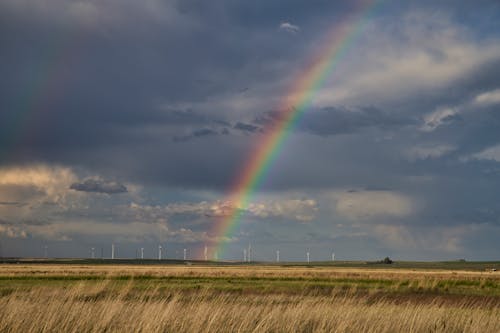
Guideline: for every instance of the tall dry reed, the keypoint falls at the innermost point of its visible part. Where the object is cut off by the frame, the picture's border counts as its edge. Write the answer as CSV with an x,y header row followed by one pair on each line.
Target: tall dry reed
x,y
91,307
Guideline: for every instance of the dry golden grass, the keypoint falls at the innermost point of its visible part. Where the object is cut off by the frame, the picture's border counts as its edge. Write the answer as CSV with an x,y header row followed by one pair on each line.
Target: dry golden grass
x,y
239,271
183,299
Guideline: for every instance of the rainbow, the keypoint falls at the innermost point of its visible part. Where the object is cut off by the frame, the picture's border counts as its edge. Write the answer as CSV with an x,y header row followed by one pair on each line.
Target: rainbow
x,y
50,74
293,107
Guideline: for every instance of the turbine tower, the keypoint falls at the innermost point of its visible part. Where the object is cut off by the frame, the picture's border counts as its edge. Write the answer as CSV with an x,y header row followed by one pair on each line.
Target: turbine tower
x,y
112,250
333,256
206,253
308,257
249,254
159,252
142,253
184,254
244,255
46,251
277,255
92,253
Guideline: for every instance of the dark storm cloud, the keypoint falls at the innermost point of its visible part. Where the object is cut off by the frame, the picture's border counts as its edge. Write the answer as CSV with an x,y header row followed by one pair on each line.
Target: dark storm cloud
x,y
99,186
10,203
163,93
204,132
104,91
267,118
246,127
337,120
341,120
199,133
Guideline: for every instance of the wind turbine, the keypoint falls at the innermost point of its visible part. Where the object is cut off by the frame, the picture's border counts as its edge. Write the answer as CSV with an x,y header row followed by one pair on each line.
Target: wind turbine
x,y
277,255
184,254
92,253
244,255
159,252
308,257
206,253
112,250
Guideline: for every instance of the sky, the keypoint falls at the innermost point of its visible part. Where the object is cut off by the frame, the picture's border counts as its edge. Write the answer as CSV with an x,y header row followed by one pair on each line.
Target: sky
x,y
128,122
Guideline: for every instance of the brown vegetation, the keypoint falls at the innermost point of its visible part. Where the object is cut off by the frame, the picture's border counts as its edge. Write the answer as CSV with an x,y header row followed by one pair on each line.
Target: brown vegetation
x,y
39,298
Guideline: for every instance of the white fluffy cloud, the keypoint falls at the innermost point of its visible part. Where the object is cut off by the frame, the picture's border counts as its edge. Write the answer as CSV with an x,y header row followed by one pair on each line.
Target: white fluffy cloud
x,y
52,181
289,27
294,209
488,98
442,115
12,231
300,210
491,153
38,201
28,191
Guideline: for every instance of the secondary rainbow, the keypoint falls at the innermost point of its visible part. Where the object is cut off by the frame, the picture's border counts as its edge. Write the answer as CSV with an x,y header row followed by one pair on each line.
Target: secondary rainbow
x,y
50,73
293,107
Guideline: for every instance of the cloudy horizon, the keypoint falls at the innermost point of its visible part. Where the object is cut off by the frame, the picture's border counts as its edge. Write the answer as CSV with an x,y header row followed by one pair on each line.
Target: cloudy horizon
x,y
128,122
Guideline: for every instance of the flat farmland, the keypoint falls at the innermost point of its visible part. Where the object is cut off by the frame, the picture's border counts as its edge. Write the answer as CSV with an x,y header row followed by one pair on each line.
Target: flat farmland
x,y
70,297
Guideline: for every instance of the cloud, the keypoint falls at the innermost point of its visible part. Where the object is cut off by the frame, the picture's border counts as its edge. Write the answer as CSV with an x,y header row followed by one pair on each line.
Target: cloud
x,y
49,179
95,15
428,151
488,98
439,117
302,210
10,203
200,133
332,120
33,187
184,235
448,115
99,186
39,194
490,153
299,210
12,231
289,27
328,121
246,127
368,205
415,90
419,53
202,208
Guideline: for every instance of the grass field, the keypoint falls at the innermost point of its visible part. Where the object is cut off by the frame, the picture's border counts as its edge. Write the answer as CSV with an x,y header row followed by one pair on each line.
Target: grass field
x,y
76,296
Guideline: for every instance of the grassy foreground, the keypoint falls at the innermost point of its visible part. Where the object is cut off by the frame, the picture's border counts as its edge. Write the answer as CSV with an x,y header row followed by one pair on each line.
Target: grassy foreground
x,y
257,298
